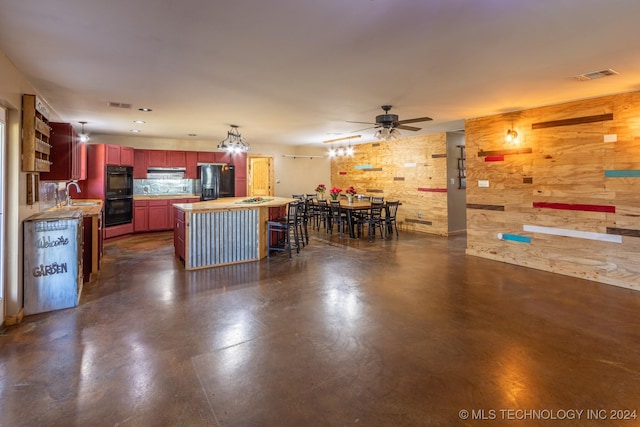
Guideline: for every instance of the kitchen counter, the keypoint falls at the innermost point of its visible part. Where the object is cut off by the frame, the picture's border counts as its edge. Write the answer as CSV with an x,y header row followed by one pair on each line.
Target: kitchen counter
x,y
228,203
224,231
93,210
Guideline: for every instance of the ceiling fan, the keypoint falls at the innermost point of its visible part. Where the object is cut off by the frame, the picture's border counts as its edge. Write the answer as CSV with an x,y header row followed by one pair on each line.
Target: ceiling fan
x,y
388,124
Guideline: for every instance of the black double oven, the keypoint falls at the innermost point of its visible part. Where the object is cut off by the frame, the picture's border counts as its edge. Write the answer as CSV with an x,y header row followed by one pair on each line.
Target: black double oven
x,y
118,196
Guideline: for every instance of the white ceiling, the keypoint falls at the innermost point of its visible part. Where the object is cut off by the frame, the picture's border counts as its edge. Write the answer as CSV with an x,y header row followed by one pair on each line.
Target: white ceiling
x,y
293,71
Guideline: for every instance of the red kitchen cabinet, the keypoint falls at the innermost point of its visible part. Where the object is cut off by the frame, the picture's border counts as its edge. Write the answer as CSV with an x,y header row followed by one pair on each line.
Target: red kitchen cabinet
x,y
177,159
179,233
157,158
139,164
119,156
158,218
126,156
207,157
113,155
68,154
240,162
192,165
240,187
140,216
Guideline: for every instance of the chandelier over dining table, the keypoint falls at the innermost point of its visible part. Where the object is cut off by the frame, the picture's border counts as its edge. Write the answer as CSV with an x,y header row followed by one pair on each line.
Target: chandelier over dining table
x,y
234,142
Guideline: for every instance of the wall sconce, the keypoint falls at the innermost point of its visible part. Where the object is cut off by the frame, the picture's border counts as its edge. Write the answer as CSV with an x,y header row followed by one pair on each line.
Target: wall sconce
x,y
511,136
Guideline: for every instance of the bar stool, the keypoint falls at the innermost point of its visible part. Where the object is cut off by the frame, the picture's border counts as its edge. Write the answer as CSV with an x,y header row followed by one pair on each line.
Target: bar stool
x,y
282,234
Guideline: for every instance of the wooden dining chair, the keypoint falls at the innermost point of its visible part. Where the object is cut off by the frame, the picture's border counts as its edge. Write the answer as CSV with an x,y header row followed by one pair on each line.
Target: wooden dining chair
x,y
373,219
391,210
337,217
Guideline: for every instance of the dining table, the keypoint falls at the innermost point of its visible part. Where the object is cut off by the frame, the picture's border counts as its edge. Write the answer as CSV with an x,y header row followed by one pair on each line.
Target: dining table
x,y
350,208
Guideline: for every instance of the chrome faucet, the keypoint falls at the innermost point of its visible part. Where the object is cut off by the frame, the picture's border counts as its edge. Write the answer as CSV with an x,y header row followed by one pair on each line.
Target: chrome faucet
x,y
77,188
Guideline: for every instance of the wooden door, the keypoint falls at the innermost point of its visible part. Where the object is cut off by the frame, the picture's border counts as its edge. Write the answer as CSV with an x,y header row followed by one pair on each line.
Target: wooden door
x,y
261,176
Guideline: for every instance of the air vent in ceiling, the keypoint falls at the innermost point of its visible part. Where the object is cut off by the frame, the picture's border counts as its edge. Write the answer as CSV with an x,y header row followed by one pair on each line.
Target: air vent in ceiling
x,y
596,74
119,105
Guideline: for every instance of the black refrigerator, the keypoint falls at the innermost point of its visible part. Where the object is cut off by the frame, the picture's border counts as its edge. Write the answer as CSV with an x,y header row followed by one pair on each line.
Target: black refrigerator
x,y
216,181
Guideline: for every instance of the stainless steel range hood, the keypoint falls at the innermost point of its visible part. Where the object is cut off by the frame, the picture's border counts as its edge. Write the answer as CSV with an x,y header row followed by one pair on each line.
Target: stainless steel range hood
x,y
165,173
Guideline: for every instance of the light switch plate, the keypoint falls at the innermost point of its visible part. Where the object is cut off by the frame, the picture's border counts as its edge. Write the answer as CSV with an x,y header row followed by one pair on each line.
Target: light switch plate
x,y
483,183
611,138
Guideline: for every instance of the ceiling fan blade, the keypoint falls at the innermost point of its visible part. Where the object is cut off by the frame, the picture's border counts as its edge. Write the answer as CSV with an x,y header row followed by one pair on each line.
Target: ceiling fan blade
x,y
360,130
407,127
417,119
364,123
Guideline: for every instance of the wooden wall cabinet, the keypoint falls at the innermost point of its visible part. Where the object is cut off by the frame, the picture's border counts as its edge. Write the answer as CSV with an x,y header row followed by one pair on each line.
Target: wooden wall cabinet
x,y
68,154
157,158
119,156
158,215
139,164
192,165
36,149
179,233
140,216
207,157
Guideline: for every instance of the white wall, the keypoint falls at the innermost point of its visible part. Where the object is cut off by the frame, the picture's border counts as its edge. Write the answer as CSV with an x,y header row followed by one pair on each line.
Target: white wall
x,y
12,85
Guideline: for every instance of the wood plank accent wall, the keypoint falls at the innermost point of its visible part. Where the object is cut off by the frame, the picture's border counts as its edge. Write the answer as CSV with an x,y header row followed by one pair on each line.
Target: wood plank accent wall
x,y
575,194
412,170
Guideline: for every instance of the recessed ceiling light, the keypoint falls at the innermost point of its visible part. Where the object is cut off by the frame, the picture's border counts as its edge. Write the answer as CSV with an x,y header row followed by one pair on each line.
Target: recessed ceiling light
x,y
139,121
135,130
146,110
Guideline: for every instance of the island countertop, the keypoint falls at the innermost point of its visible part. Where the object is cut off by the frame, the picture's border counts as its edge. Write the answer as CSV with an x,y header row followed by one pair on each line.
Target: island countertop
x,y
229,203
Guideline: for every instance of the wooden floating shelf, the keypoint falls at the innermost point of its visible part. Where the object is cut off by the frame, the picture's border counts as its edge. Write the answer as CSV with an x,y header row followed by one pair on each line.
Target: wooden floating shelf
x,y
575,207
623,232
589,235
433,190
418,221
575,121
485,207
505,152
622,173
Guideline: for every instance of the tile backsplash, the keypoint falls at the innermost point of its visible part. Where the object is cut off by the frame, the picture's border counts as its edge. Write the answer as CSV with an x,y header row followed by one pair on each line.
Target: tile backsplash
x,y
165,186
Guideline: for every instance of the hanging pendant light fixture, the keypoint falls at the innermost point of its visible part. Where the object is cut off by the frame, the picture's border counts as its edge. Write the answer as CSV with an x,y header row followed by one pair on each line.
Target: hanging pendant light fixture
x,y
234,142
84,137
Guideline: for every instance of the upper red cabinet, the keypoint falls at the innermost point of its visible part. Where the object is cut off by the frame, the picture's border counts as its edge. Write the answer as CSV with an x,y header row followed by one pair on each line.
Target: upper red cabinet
x,y
126,156
68,154
192,164
177,159
139,164
157,158
207,157
119,156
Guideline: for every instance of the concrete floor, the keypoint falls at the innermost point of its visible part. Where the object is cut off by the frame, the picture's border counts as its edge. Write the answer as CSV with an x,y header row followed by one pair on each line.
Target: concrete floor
x,y
403,332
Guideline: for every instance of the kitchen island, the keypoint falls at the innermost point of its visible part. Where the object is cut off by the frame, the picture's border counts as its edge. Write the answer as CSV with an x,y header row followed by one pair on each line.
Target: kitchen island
x,y
225,231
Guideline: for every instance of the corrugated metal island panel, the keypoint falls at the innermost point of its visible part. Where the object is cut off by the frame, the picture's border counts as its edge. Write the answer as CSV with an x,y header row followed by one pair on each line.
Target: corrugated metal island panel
x,y
222,237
